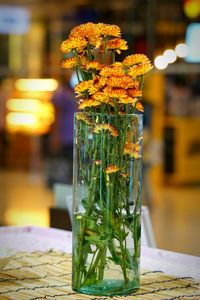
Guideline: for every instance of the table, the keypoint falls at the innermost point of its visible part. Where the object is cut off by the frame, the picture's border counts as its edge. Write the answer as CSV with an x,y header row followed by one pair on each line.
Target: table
x,y
42,269
30,238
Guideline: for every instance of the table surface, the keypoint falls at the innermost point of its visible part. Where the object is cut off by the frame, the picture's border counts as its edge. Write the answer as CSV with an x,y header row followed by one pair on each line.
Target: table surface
x,y
42,239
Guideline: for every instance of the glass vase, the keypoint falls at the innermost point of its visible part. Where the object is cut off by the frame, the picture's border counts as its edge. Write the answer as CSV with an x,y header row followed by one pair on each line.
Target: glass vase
x,y
106,203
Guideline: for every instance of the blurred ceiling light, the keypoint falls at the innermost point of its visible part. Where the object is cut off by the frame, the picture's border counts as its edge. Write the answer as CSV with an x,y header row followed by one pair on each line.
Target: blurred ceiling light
x,y
192,8
32,105
170,55
182,50
36,84
160,62
22,119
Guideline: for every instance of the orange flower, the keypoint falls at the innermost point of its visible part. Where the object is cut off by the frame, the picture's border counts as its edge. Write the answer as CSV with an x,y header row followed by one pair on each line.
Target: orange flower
x,y
70,63
83,86
115,69
88,103
93,65
107,127
134,59
83,117
139,106
89,31
115,92
98,162
107,29
138,70
128,100
123,82
134,93
101,97
77,43
112,169
131,149
99,81
117,44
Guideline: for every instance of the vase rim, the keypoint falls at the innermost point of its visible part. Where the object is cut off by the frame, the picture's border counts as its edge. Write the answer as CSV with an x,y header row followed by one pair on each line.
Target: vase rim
x,y
110,115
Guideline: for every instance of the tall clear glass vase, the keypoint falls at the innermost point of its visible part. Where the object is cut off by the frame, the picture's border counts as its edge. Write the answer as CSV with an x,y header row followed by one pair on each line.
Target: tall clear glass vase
x,y
107,203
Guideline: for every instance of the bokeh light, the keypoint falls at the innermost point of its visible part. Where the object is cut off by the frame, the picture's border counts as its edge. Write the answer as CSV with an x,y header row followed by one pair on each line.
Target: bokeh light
x,y
182,50
160,62
170,55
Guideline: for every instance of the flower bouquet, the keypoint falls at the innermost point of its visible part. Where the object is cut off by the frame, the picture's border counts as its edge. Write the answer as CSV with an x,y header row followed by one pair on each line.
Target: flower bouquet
x,y
107,160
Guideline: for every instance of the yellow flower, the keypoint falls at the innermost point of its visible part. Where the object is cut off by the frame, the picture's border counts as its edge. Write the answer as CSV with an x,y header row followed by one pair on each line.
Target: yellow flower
x,y
83,86
89,31
128,100
78,43
131,149
138,70
98,83
117,44
98,162
123,82
83,117
88,103
101,97
139,106
70,63
93,65
115,69
134,59
107,29
115,92
107,127
112,169
134,92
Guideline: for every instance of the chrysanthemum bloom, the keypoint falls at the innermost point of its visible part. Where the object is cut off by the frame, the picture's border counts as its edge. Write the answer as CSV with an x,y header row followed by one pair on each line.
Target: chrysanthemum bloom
x,y
98,162
135,59
101,97
72,62
138,70
117,44
115,92
89,31
115,69
83,86
111,169
84,118
128,100
106,127
93,65
88,103
108,30
131,149
123,82
77,43
134,93
139,106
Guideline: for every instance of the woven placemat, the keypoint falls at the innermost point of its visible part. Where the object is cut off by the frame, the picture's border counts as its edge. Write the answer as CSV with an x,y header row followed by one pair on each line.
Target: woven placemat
x,y
47,275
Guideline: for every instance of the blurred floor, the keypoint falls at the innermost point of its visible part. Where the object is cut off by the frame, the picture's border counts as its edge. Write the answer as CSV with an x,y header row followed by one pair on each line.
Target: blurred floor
x,y
25,200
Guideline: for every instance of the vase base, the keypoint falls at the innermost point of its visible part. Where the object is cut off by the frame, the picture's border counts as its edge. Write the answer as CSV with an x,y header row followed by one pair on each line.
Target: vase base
x,y
110,288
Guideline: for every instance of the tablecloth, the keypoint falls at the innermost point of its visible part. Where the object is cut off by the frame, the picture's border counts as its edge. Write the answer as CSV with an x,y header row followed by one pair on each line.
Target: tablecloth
x,y
47,275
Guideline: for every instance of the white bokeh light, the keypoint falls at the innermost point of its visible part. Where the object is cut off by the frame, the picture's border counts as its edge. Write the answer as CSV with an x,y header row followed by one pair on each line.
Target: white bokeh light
x,y
182,50
170,55
160,62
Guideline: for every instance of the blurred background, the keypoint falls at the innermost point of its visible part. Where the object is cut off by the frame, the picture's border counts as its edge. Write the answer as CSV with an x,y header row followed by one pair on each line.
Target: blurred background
x,y
168,31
